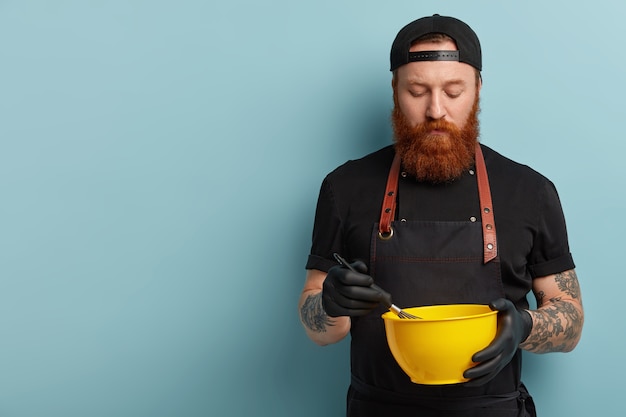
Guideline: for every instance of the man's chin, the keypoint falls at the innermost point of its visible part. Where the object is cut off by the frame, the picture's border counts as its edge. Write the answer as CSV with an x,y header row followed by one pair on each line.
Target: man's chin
x,y
440,141
438,175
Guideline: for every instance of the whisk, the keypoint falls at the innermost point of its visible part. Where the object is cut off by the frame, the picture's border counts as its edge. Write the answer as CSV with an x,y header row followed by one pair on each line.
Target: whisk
x,y
386,299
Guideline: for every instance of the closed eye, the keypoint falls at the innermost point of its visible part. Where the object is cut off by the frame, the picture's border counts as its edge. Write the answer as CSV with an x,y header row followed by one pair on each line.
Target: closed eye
x,y
417,93
454,93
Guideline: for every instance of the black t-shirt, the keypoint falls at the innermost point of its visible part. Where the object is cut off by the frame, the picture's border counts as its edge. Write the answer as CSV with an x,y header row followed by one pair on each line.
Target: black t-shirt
x,y
531,231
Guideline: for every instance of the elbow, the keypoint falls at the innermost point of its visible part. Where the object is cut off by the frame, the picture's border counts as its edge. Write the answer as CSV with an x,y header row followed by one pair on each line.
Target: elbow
x,y
332,330
566,348
325,338
576,332
321,342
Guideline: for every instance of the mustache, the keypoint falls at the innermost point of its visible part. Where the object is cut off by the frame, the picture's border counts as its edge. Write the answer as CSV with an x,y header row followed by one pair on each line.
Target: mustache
x,y
439,124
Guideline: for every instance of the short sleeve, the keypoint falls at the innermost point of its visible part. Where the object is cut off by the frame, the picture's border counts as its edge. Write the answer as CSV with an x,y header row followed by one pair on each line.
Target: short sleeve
x,y
327,230
550,253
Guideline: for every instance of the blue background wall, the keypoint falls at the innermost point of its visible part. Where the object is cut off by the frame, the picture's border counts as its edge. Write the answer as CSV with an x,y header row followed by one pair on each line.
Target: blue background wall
x,y
159,168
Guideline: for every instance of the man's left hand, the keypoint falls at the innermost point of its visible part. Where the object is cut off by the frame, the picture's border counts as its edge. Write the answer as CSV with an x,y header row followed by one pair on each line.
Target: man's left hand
x,y
513,328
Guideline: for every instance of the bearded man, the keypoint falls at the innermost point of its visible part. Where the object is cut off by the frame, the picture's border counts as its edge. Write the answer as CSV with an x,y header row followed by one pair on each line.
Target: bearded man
x,y
437,218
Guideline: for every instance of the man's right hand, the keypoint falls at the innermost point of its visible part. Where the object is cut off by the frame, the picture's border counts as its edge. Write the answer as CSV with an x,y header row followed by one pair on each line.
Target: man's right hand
x,y
348,293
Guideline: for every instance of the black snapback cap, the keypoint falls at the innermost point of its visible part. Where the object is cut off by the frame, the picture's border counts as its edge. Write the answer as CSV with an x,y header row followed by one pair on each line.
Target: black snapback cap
x,y
466,41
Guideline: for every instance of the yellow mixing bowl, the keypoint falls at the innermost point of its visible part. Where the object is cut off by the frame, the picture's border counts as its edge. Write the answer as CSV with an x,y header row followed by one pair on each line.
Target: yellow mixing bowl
x,y
438,348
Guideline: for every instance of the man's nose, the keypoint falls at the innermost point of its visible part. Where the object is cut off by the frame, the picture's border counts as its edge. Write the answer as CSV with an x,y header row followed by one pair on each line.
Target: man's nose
x,y
435,109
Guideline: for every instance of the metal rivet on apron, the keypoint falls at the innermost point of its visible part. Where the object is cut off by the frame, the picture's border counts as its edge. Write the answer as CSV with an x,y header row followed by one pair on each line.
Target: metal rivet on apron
x,y
402,220
386,236
387,210
486,210
488,226
471,172
390,193
403,174
472,219
489,246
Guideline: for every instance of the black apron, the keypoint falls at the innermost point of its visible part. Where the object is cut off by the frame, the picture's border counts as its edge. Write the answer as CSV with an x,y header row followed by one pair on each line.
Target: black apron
x,y
428,263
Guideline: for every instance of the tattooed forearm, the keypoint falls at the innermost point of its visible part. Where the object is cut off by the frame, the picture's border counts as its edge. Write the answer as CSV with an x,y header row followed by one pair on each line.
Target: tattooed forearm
x,y
558,321
556,328
313,315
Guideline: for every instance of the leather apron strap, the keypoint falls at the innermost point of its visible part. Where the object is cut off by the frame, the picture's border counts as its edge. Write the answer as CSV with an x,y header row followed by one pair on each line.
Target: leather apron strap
x,y
490,245
389,203
388,212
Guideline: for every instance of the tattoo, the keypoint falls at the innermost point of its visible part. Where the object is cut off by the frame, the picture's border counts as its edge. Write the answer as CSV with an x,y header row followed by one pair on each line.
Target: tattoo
x,y
560,321
540,297
313,315
558,324
568,283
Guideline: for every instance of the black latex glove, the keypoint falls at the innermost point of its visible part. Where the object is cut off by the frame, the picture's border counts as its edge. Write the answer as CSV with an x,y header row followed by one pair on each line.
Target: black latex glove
x,y
513,328
348,293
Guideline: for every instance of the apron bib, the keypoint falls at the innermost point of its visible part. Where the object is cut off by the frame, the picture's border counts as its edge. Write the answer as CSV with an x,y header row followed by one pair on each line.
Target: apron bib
x,y
427,263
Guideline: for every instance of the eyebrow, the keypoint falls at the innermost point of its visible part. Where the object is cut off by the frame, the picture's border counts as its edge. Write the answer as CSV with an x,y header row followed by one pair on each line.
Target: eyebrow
x,y
446,84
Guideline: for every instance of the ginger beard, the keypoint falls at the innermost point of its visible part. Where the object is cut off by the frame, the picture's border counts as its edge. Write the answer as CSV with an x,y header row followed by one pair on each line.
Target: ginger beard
x,y
435,158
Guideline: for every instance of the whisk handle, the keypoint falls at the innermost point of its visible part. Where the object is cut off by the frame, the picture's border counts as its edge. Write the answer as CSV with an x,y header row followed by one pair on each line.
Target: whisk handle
x,y
385,297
